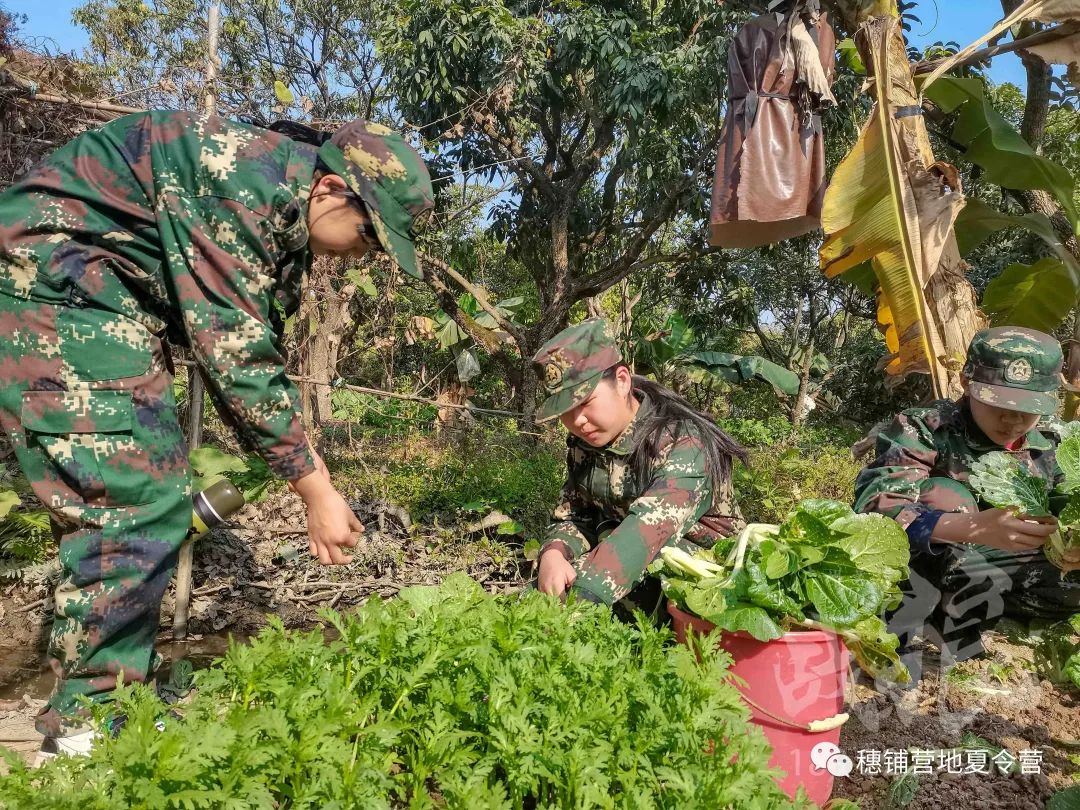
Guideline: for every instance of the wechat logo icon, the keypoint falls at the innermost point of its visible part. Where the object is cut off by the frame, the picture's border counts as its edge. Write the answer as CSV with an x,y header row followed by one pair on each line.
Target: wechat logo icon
x,y
827,756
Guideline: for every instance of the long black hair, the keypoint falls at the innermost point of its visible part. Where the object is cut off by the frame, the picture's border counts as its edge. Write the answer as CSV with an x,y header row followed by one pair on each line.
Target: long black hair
x,y
299,132
672,414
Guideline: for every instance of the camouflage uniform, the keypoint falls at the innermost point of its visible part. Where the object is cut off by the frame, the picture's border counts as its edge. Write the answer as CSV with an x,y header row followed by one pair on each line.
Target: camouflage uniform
x,y
921,470
609,524
172,226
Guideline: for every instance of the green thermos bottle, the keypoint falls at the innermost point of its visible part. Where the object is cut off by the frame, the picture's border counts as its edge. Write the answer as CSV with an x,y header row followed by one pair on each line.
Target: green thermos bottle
x,y
213,506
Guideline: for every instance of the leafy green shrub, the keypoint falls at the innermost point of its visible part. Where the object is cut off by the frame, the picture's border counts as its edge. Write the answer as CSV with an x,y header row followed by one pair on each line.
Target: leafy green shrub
x,y
784,474
444,697
25,533
493,470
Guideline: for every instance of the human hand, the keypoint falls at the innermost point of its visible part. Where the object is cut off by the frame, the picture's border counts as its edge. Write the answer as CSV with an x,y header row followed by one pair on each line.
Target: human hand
x,y
332,526
997,528
556,574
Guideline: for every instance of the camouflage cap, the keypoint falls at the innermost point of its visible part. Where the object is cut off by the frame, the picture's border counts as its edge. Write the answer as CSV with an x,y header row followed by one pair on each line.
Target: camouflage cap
x,y
392,180
572,363
1015,368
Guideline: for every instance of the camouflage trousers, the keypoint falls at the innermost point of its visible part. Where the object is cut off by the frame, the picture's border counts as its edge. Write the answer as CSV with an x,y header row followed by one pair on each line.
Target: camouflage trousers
x,y
951,597
88,406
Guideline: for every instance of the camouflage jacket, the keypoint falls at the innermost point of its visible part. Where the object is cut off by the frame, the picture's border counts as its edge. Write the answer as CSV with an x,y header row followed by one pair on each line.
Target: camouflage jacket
x,y
195,228
612,526
922,464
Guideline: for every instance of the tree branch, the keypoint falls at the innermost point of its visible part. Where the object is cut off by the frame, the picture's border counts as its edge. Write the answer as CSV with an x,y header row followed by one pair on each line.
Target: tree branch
x,y
1049,35
522,165
431,267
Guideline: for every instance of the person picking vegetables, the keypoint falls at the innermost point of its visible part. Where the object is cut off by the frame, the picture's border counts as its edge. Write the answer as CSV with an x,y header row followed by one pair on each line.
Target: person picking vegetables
x,y
644,471
195,230
972,562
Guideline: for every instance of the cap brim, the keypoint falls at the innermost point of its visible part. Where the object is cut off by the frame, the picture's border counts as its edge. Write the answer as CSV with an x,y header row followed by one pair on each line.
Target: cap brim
x,y
559,403
1043,403
398,247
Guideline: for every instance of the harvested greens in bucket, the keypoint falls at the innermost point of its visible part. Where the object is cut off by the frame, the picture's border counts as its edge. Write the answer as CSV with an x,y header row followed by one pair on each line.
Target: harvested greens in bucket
x,y
824,568
1002,481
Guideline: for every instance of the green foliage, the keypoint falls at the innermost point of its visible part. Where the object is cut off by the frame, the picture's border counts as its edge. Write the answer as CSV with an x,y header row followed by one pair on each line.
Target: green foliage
x,y
788,470
1057,652
443,697
489,470
251,475
25,534
1004,482
25,537
1033,295
992,144
1067,799
674,350
824,566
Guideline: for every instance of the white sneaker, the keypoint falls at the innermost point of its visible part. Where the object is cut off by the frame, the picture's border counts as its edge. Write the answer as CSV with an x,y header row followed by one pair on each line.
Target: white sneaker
x,y
73,745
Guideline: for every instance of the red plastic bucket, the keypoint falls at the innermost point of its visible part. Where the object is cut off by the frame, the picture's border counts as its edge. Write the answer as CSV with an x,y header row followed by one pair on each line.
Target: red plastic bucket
x,y
799,677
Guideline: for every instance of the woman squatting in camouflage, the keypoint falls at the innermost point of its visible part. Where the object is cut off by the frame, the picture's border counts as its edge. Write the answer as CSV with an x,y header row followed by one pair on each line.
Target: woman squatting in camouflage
x,y
644,471
971,564
195,230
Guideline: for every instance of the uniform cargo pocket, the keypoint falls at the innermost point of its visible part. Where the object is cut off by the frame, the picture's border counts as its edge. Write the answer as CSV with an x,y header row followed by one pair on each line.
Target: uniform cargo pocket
x,y
100,345
85,451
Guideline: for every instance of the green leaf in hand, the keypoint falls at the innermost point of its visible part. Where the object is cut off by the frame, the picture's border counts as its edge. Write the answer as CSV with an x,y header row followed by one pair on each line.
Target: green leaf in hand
x,y
1004,482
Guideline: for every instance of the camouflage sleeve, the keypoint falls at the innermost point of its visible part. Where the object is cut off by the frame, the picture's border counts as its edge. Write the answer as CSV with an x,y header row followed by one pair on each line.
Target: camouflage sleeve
x,y
891,483
570,529
219,252
899,482
678,495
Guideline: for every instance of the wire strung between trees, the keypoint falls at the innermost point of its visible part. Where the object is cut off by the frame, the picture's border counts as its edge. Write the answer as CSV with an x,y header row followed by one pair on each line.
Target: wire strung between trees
x,y
406,397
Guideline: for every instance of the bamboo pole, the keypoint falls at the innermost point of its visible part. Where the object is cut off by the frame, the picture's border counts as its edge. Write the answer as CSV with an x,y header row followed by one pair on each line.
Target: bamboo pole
x,y
195,380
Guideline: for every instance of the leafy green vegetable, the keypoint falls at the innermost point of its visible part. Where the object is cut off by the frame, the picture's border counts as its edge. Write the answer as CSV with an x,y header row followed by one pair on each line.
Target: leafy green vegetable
x,y
823,567
1057,652
444,697
1004,482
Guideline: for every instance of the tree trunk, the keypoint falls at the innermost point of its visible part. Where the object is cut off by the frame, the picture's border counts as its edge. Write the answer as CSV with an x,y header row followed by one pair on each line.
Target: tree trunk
x,y
325,346
798,414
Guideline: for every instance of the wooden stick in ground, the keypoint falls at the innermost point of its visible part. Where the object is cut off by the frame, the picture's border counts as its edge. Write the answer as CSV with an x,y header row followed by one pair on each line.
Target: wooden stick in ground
x,y
195,381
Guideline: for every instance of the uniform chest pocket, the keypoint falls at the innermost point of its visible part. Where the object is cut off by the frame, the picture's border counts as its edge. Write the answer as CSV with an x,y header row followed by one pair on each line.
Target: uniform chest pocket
x,y
97,344
86,449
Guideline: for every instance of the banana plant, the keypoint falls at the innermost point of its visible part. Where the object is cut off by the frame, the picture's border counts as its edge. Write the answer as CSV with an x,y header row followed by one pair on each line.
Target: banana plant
x,y
885,206
674,352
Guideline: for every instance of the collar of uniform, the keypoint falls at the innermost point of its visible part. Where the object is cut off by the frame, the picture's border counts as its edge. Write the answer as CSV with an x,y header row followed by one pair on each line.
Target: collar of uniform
x,y
623,444
977,440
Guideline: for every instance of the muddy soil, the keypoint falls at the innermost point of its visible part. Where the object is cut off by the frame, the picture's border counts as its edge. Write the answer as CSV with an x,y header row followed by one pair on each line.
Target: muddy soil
x,y
999,699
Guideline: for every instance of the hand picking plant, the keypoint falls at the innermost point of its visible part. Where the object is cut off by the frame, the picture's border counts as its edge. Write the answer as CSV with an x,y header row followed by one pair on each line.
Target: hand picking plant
x,y
824,567
445,697
1002,481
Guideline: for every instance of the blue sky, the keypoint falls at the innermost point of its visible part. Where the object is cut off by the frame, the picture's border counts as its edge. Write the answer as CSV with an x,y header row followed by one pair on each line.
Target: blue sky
x,y
942,20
